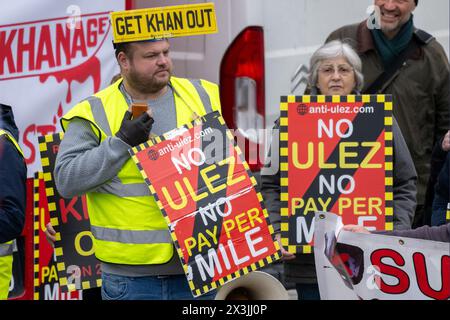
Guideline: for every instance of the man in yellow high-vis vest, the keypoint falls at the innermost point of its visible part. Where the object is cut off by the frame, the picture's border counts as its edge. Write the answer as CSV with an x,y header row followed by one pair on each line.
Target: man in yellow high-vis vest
x,y
13,174
131,237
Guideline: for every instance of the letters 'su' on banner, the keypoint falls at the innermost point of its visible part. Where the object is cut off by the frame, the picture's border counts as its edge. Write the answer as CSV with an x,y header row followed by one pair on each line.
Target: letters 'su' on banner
x,y
205,191
163,22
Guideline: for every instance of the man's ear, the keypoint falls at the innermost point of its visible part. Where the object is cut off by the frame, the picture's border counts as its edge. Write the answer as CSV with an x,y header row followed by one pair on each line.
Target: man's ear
x,y
123,60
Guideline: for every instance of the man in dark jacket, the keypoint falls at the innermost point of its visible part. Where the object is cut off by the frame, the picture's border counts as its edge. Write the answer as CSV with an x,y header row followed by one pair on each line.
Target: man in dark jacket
x,y
13,174
421,87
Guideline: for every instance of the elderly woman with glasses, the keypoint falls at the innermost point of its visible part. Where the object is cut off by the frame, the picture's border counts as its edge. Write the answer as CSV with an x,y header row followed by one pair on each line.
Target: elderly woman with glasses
x,y
335,69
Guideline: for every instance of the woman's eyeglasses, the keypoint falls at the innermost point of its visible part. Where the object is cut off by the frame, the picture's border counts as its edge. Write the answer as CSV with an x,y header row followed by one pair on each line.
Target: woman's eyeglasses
x,y
329,70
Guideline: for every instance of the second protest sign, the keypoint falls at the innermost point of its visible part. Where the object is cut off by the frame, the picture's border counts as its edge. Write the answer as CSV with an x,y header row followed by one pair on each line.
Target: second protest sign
x,y
336,155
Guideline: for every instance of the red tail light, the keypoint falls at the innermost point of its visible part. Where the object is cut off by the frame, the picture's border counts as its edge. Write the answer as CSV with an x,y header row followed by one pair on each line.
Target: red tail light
x,y
242,93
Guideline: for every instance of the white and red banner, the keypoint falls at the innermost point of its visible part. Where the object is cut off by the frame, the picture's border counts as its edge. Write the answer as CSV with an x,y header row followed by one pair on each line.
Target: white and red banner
x,y
53,55
372,266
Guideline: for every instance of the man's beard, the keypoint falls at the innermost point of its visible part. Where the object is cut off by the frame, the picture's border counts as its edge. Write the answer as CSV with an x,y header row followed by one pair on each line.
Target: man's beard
x,y
390,28
145,84
393,27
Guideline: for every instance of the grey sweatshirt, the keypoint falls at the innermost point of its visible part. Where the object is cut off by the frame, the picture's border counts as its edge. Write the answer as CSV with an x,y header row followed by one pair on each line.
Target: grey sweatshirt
x,y
82,165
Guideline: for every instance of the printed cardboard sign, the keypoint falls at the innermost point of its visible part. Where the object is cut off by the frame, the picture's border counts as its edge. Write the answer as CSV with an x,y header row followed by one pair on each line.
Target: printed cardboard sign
x,y
164,22
380,267
336,155
76,263
46,279
217,220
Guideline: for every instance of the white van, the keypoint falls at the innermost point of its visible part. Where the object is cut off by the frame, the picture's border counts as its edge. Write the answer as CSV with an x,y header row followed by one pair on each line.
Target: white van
x,y
262,49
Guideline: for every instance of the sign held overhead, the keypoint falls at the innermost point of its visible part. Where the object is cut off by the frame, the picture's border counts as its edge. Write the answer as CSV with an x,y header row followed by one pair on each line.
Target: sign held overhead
x,y
163,22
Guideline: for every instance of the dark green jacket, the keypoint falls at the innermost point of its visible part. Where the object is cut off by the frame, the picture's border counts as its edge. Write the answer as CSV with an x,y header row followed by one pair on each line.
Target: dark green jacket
x,y
421,92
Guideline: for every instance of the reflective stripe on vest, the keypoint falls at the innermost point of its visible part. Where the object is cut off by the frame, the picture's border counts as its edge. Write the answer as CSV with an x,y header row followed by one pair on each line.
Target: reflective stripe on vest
x,y
6,259
6,249
204,96
131,236
117,188
12,139
98,111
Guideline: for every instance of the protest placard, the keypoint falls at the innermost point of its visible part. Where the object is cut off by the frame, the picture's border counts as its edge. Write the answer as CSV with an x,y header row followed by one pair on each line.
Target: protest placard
x,y
336,155
74,248
46,279
206,192
163,22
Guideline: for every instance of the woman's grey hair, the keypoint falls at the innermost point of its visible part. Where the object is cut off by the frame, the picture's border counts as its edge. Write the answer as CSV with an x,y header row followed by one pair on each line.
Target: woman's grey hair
x,y
330,50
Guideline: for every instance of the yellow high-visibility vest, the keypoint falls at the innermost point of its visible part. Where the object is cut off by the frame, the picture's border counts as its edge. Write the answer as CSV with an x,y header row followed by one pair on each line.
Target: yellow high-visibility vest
x,y
127,225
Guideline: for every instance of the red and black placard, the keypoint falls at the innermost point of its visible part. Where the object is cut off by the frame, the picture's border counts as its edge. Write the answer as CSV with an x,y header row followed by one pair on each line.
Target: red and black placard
x,y
46,278
76,263
336,155
206,192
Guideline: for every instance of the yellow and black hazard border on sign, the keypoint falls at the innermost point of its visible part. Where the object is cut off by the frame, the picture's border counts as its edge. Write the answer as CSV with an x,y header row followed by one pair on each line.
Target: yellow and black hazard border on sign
x,y
36,213
336,155
217,220
46,282
77,267
163,22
